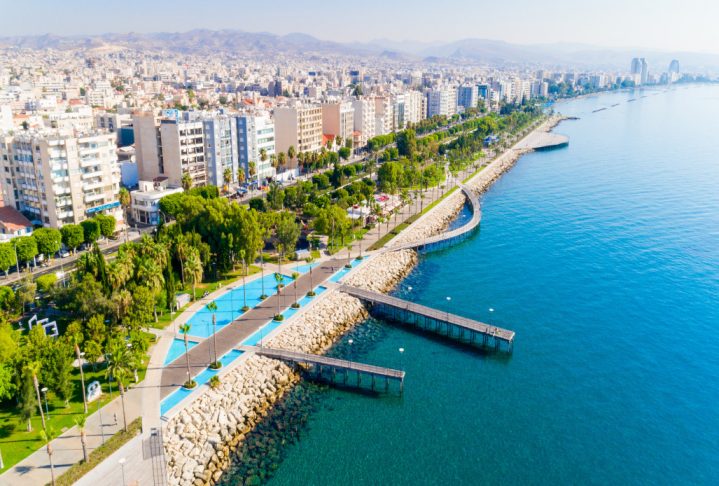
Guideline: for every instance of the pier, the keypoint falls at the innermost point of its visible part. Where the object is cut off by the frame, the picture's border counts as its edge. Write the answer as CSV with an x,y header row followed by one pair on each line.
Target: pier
x,y
542,140
323,368
449,238
449,325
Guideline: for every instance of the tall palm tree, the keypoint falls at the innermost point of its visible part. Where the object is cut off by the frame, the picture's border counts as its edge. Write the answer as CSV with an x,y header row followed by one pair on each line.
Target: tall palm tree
x,y
310,260
34,369
47,436
119,368
125,201
279,278
244,283
281,160
149,273
291,152
240,177
185,329
76,344
295,276
186,181
227,178
263,154
212,307
193,266
80,421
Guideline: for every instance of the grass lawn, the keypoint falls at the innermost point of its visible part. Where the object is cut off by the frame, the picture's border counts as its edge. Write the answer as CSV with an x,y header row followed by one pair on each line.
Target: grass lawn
x,y
16,443
100,454
335,245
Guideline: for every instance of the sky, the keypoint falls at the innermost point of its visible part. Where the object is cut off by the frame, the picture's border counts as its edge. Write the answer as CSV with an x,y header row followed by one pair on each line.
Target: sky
x,y
674,25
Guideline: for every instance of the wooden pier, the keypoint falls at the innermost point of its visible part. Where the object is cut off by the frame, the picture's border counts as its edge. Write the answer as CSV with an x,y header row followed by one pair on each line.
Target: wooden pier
x,y
452,326
449,238
337,371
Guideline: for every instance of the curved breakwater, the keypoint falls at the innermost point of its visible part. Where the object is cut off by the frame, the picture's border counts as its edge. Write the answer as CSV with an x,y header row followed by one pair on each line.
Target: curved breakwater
x,y
200,439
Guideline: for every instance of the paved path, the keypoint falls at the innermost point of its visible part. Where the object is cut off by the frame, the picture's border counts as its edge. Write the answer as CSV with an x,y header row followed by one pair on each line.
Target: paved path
x,y
67,449
229,337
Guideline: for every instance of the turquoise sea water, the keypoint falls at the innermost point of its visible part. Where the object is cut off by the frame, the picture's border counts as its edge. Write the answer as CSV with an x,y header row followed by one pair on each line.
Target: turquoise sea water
x,y
604,258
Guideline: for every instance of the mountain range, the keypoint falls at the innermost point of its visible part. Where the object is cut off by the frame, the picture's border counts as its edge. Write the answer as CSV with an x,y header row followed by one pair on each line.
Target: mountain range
x,y
476,51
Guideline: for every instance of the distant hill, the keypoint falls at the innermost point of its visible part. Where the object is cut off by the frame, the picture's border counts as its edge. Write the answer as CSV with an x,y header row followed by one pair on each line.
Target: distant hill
x,y
264,44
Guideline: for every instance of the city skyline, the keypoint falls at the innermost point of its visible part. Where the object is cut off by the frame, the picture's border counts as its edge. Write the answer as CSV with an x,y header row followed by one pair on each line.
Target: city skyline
x,y
663,27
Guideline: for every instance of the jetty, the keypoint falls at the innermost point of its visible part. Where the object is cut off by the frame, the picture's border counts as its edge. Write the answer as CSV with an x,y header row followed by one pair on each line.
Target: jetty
x,y
542,140
326,369
449,238
458,328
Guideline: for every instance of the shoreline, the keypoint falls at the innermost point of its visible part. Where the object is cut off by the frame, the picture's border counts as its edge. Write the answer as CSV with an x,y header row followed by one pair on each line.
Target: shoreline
x,y
201,438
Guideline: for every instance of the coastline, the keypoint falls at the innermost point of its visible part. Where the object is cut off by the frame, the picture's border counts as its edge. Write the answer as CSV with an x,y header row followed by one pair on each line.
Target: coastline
x,y
200,439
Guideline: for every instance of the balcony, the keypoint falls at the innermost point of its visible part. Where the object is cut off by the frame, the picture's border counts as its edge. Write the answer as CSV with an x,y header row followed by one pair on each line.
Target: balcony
x,y
90,198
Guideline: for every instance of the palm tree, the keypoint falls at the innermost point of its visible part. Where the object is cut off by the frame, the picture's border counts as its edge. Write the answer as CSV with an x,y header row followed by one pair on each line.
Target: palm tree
x,y
186,181
119,368
76,338
295,276
309,261
34,368
212,307
47,436
281,159
185,329
263,154
291,152
244,283
193,266
227,178
80,422
240,177
279,278
125,201
252,169
149,273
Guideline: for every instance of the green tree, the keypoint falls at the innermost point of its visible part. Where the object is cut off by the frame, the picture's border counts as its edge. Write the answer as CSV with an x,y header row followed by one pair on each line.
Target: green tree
x,y
90,230
186,181
125,201
49,241
7,298
193,268
72,236
46,282
345,153
287,233
25,293
407,143
141,309
7,257
119,368
26,248
390,176
107,224
227,177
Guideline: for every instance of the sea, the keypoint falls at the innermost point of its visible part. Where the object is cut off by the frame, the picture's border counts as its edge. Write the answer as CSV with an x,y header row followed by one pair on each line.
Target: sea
x,y
603,257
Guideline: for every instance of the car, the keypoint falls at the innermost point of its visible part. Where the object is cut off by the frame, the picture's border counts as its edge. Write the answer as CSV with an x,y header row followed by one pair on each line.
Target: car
x,y
64,253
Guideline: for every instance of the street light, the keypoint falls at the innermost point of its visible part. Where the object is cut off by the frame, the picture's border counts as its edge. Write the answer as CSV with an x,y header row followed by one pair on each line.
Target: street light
x,y
449,299
350,351
401,352
122,466
44,394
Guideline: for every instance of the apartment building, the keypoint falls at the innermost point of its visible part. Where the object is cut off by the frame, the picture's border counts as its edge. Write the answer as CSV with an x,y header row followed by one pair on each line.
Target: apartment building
x,y
145,201
220,136
407,109
255,138
169,147
442,101
338,119
384,115
364,119
467,96
299,126
57,178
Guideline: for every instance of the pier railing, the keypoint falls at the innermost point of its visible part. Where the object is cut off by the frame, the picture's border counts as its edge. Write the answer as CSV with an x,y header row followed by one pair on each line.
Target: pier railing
x,y
439,322
448,237
351,373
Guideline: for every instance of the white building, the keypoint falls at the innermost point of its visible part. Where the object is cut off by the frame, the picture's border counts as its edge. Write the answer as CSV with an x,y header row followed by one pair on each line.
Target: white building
x,y
442,101
61,178
408,109
255,138
145,201
220,136
338,119
364,120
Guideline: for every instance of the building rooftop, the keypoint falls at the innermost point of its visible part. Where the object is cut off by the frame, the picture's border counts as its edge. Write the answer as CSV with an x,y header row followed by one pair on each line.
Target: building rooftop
x,y
12,219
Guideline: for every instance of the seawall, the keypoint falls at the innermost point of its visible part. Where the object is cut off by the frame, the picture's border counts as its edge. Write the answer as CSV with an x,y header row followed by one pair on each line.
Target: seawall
x,y
200,439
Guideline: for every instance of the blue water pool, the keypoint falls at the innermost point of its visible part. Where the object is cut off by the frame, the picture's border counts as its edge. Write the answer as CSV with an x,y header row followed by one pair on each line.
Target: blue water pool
x,y
177,349
260,334
176,397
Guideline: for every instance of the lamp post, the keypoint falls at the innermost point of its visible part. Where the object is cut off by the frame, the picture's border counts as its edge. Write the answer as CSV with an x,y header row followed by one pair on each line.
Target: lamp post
x,y
401,352
44,395
449,300
102,426
350,351
122,466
